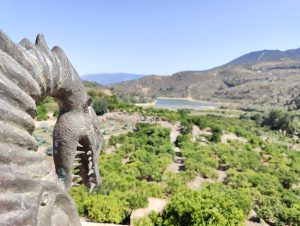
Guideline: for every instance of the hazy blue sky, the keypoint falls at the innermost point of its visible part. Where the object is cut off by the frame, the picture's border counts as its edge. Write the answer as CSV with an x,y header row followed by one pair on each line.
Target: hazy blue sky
x,y
154,36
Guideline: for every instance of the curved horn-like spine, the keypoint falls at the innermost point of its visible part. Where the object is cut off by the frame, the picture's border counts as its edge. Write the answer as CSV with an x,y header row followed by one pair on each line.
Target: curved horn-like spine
x,y
31,192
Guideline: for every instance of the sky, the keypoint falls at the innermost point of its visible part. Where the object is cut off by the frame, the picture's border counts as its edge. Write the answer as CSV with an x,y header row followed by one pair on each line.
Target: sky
x,y
154,36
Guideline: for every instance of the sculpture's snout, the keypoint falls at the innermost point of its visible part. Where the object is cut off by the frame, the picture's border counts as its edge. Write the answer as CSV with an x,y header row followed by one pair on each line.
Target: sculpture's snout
x,y
77,145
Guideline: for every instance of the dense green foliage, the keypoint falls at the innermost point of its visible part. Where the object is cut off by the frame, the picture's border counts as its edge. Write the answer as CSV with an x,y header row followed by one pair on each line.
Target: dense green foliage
x,y
282,120
128,185
101,106
216,134
47,105
213,205
42,112
260,175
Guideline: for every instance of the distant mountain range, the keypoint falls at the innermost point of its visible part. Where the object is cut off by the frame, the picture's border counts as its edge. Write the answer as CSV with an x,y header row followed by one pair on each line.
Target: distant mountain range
x,y
266,56
270,77
110,78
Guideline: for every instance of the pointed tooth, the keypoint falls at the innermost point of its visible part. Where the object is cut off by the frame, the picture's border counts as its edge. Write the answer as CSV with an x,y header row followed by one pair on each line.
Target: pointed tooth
x,y
76,170
90,158
90,165
78,181
79,152
75,184
74,176
75,164
77,159
89,153
91,171
92,180
79,145
92,186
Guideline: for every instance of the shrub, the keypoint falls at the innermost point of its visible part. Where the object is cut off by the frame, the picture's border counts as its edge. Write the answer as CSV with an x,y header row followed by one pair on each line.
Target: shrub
x,y
42,112
280,210
257,118
216,134
106,208
79,194
184,112
186,127
100,106
210,206
181,140
56,113
201,122
147,165
280,120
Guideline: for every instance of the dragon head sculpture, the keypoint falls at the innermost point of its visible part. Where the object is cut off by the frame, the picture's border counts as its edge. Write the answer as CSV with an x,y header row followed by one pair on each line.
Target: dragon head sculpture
x,y
31,193
77,141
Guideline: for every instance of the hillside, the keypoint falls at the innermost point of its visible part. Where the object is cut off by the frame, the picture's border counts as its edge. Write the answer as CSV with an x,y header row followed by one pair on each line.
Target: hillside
x,y
231,167
263,77
267,55
110,78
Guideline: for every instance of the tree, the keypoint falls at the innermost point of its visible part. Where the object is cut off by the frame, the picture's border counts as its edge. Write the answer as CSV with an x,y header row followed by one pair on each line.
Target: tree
x,y
210,206
101,106
42,112
106,208
216,134
280,120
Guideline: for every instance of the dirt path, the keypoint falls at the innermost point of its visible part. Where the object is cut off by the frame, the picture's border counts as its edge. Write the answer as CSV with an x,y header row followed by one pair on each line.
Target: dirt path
x,y
116,123
154,204
178,163
197,182
174,129
231,136
195,133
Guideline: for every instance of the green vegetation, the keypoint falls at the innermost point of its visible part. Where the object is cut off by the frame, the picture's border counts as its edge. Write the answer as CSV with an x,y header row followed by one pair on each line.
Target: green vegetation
x,y
41,112
47,105
216,134
259,175
101,106
282,120
213,205
126,186
262,174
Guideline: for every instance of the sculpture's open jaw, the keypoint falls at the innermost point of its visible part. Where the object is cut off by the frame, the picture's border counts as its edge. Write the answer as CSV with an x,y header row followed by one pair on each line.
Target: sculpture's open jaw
x,y
77,141
85,165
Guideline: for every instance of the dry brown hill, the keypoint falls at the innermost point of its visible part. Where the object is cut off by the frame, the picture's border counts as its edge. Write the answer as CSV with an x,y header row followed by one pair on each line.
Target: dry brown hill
x,y
263,77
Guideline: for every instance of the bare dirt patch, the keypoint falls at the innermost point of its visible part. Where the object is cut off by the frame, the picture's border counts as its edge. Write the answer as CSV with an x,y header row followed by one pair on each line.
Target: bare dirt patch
x,y
154,204
254,220
197,182
116,123
221,176
226,137
175,167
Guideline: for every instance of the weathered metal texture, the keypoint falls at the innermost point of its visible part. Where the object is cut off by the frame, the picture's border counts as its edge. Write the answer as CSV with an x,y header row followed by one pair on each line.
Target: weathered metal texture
x,y
30,192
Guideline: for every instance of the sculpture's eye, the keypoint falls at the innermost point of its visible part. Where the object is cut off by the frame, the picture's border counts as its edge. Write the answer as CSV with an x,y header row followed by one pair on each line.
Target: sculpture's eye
x,y
87,104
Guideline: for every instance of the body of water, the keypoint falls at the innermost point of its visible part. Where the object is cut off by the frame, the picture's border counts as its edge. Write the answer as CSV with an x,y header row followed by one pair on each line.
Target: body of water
x,y
184,104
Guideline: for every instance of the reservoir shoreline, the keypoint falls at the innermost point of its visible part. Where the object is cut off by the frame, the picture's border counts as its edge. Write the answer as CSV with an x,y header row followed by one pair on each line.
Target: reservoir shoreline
x,y
180,103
